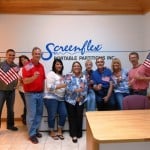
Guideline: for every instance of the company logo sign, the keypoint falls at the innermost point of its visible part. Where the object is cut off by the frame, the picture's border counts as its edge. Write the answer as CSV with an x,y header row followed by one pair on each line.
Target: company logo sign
x,y
53,49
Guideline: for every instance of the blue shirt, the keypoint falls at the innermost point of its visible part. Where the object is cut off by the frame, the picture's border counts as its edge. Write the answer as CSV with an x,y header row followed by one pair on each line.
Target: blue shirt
x,y
103,77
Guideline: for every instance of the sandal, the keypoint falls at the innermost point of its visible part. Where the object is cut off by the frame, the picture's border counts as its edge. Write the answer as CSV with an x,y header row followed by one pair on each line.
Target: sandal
x,y
55,137
61,136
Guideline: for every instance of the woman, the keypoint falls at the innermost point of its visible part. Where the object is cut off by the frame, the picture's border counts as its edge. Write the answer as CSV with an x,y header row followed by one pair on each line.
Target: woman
x,y
54,99
91,101
120,81
23,59
76,93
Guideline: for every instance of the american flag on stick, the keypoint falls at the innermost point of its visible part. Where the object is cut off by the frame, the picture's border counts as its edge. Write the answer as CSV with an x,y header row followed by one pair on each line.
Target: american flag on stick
x,y
8,76
147,61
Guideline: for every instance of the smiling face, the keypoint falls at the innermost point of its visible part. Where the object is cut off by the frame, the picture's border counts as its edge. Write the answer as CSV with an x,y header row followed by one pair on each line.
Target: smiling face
x,y
24,60
58,67
77,68
100,63
134,59
36,55
116,65
88,65
10,56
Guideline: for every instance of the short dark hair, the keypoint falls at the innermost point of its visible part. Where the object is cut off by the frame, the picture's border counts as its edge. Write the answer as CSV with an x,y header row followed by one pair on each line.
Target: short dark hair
x,y
134,53
10,50
35,48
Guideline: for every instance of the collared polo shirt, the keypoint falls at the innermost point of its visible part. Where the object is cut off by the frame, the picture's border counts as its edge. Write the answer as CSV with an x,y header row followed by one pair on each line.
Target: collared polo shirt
x,y
38,84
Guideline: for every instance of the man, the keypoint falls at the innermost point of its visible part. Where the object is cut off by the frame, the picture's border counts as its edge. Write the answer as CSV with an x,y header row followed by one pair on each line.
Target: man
x,y
138,85
8,83
103,86
33,83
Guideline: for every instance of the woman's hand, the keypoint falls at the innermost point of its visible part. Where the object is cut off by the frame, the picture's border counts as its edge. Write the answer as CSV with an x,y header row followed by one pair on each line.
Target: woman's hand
x,y
78,90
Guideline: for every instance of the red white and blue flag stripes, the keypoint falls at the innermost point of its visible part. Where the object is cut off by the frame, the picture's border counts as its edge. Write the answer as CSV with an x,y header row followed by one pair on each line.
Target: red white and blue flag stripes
x,y
8,76
147,61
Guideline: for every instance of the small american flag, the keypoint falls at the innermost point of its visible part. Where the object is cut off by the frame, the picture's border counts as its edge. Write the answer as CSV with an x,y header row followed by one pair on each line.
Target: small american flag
x,y
29,66
147,61
8,76
3,77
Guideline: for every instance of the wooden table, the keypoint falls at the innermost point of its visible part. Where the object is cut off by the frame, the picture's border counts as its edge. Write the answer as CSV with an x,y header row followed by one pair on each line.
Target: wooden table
x,y
117,126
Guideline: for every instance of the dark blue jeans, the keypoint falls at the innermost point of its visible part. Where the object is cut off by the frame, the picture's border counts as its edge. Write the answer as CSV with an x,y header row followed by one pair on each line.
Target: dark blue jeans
x,y
119,98
91,101
140,92
55,107
109,105
9,97
24,102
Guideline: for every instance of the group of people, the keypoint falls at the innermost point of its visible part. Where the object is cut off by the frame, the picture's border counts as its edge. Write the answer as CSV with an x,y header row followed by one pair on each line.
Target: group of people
x,y
67,95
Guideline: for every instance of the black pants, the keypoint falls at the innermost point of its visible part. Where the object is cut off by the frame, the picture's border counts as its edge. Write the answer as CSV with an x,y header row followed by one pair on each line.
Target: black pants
x,y
75,118
9,97
24,102
139,92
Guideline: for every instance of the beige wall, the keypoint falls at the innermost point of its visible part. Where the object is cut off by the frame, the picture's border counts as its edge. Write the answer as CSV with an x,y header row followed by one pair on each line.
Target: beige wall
x,y
117,33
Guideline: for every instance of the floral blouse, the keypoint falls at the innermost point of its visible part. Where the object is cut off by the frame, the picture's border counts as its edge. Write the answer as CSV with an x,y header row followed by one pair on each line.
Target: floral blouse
x,y
73,83
122,86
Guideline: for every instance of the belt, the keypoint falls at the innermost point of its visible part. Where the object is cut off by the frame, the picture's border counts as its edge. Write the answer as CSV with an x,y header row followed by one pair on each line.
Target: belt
x,y
35,92
142,90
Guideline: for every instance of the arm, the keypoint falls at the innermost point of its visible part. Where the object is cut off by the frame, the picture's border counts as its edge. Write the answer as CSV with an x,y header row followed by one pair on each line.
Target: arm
x,y
53,82
106,98
59,86
142,74
143,78
29,80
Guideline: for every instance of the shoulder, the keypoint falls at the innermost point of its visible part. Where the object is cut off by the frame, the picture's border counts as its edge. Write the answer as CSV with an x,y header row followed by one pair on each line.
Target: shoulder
x,y
95,71
28,66
41,65
84,72
107,70
2,62
125,71
51,74
83,76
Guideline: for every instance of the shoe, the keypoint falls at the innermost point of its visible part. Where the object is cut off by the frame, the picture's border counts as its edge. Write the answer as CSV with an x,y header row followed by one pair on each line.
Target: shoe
x,y
13,128
33,139
61,136
79,136
55,137
38,134
74,140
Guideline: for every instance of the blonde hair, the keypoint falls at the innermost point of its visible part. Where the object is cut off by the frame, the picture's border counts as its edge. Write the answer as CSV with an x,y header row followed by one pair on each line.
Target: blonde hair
x,y
116,60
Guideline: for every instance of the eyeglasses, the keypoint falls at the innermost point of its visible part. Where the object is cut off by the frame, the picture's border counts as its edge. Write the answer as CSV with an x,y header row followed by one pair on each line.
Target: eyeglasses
x,y
11,55
100,62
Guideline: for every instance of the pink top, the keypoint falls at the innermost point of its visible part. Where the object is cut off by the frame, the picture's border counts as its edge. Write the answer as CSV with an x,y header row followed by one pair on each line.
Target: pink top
x,y
135,72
